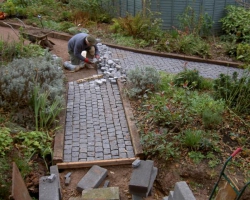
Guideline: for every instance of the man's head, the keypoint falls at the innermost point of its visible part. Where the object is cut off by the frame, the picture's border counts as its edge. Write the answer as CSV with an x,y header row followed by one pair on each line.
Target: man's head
x,y
90,40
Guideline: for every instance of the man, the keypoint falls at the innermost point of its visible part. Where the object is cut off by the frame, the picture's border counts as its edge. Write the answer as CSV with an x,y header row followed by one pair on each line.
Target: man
x,y
79,43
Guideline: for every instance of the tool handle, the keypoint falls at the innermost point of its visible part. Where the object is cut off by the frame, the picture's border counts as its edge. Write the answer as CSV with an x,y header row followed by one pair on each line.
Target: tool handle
x,y
236,151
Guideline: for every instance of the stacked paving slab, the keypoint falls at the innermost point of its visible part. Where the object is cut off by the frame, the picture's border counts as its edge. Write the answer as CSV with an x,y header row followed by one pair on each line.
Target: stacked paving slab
x,y
142,179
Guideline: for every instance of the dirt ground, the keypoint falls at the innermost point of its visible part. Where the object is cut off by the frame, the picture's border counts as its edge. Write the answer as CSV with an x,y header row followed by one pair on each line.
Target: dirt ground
x,y
199,179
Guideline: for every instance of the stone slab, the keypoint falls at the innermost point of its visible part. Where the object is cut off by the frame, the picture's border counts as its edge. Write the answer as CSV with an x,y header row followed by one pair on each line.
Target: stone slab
x,y
101,193
48,190
150,187
93,178
140,178
54,170
183,192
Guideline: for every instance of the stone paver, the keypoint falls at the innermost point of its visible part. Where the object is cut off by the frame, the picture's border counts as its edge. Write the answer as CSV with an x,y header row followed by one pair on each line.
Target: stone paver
x,y
96,127
129,60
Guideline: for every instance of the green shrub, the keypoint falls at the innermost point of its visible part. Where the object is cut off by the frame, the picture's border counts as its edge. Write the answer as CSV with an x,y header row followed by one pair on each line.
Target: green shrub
x,y
166,111
194,45
243,52
95,9
188,78
236,23
19,77
199,102
142,80
141,26
158,145
234,90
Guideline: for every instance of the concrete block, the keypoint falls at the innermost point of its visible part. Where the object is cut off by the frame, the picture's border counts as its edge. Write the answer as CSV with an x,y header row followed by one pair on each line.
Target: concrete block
x,y
171,195
150,187
54,170
67,181
51,178
136,163
152,179
48,190
140,178
101,193
182,191
93,178
68,174
106,184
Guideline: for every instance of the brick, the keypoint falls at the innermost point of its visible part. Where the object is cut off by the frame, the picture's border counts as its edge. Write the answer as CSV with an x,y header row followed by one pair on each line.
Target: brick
x,y
140,178
93,178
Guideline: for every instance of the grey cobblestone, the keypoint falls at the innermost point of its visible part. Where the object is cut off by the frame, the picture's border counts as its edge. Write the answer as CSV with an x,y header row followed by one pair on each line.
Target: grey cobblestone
x,y
96,126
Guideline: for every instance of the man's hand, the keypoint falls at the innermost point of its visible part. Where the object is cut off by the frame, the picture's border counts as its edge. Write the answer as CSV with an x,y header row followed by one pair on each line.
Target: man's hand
x,y
87,61
97,56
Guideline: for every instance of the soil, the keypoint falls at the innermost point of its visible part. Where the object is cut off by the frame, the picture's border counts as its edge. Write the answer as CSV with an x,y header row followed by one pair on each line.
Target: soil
x,y
200,179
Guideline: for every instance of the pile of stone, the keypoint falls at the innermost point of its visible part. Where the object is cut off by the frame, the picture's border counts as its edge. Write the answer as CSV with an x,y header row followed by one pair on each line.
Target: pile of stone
x,y
110,68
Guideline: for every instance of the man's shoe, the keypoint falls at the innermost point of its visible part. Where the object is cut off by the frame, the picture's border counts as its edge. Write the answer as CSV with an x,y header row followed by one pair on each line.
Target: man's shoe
x,y
77,68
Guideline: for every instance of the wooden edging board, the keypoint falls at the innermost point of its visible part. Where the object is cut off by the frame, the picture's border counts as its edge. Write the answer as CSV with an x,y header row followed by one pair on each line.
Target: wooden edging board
x,y
74,165
131,124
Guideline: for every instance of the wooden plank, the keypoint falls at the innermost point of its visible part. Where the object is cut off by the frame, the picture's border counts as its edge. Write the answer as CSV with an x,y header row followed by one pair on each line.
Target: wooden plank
x,y
19,189
131,124
73,165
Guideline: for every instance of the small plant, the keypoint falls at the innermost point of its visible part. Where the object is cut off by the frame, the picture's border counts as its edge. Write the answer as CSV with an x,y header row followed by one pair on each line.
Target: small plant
x,y
146,27
197,157
45,114
5,177
213,161
243,52
34,142
192,138
156,144
188,78
142,80
211,118
5,141
197,25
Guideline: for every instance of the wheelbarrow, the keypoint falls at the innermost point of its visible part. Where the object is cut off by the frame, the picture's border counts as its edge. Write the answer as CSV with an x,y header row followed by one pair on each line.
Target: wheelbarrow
x,y
35,35
228,190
